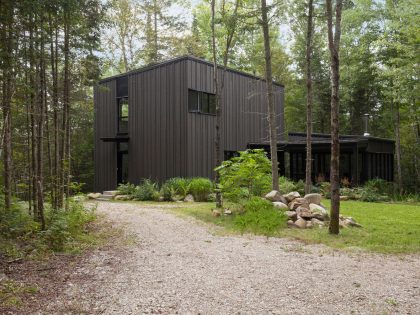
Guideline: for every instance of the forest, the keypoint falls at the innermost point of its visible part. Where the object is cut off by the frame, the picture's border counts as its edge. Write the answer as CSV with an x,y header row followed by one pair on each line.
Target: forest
x,y
53,53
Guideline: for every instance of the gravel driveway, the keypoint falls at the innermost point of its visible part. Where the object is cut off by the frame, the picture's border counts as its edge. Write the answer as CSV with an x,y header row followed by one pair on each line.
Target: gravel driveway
x,y
180,266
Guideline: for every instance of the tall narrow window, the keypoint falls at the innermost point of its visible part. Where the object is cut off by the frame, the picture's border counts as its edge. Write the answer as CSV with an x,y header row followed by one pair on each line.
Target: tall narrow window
x,y
193,101
123,115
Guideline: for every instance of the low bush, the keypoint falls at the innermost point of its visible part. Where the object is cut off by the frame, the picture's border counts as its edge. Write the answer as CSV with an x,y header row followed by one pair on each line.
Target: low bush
x,y
178,186
200,188
246,175
66,228
126,189
146,191
260,217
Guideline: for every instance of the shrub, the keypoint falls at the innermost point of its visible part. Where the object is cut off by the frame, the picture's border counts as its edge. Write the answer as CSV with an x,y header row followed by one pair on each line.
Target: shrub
x,y
167,192
146,191
286,185
179,186
126,189
200,188
246,175
379,186
67,227
260,217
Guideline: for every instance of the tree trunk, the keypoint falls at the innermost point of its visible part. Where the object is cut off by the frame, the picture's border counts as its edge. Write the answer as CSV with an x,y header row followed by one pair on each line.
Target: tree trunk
x,y
218,159
308,179
65,158
272,125
398,148
334,46
8,72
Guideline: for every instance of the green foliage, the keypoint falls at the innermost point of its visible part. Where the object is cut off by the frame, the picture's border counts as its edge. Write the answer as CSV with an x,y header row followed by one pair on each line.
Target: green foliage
x,y
167,192
260,217
200,188
76,187
246,175
126,189
146,191
286,185
65,228
179,186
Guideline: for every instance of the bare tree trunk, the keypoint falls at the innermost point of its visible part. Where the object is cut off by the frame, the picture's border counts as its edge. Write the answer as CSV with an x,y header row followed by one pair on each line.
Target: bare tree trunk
x,y
309,97
272,125
7,30
218,157
398,148
155,31
334,47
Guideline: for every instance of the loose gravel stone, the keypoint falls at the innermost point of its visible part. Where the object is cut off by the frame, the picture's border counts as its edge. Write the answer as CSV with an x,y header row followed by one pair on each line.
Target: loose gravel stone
x,y
181,266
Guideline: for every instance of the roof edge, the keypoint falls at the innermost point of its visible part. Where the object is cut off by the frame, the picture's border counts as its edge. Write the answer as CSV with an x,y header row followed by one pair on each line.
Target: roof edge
x,y
178,59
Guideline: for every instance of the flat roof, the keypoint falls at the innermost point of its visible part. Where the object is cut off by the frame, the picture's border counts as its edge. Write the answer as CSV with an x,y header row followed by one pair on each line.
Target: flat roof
x,y
181,58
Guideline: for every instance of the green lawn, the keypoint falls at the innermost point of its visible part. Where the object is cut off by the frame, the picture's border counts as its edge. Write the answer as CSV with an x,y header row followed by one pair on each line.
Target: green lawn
x,y
387,227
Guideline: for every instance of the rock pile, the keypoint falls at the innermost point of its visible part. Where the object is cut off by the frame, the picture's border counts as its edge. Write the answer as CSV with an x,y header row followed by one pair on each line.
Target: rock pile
x,y
304,212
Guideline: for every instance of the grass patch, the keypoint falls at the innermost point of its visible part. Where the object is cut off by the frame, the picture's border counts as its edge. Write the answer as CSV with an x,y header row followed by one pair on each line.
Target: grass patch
x,y
387,227
12,293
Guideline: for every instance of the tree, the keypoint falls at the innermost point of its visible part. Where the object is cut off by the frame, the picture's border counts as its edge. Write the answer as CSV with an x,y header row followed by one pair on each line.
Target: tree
x,y
308,179
272,126
334,47
229,18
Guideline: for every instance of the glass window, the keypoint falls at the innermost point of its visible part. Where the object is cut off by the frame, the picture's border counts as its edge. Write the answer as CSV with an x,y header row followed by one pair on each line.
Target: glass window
x,y
204,102
123,114
212,104
193,101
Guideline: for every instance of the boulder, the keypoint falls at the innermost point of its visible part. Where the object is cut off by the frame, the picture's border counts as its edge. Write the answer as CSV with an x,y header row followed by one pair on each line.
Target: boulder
x,y
304,213
280,205
316,222
228,212
313,198
319,212
349,221
215,213
298,202
344,198
189,198
122,197
291,224
292,215
94,195
309,224
300,223
291,195
275,196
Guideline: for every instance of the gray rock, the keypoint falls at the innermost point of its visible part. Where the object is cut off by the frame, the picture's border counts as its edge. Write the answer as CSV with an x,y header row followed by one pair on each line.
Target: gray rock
x,y
280,205
94,195
309,224
298,202
344,198
316,222
292,215
227,212
189,198
216,213
291,224
313,198
275,196
291,195
304,213
319,212
300,223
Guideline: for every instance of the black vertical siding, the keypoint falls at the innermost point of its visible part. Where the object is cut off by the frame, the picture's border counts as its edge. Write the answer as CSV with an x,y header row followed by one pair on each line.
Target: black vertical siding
x,y
105,153
165,139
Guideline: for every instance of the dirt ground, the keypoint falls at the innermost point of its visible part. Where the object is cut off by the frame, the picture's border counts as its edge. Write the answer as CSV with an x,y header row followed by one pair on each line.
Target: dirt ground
x,y
173,265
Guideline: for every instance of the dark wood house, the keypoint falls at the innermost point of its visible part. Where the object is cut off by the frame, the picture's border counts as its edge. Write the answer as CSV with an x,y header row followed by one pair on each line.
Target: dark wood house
x,y
158,122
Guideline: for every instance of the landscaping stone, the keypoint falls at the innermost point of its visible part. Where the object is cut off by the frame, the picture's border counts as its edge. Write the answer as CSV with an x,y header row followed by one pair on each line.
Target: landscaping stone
x,y
189,198
216,213
291,224
319,212
275,196
344,198
298,202
228,212
309,224
304,213
280,205
313,198
317,222
292,215
300,223
94,195
291,195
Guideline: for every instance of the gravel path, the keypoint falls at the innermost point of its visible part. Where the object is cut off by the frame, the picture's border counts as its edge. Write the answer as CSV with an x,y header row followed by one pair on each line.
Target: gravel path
x,y
180,266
